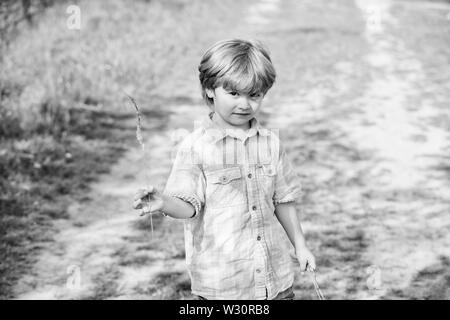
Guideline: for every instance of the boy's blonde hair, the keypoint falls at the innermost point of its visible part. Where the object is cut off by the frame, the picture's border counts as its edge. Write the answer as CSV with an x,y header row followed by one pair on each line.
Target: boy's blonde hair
x,y
237,65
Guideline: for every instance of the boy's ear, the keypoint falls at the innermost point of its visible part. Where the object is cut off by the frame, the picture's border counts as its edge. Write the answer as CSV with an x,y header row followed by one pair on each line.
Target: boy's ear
x,y
210,93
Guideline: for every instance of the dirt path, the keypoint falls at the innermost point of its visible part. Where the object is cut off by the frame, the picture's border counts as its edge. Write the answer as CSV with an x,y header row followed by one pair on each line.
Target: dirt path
x,y
104,250
353,104
409,199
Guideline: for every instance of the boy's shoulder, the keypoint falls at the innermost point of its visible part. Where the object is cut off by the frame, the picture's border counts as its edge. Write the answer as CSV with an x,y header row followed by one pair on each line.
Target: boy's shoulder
x,y
270,132
189,140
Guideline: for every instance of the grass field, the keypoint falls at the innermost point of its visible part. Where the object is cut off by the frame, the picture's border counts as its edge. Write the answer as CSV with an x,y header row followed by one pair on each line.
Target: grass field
x,y
63,105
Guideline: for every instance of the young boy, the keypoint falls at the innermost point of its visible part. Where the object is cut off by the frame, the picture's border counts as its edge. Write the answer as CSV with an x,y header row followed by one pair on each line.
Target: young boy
x,y
233,183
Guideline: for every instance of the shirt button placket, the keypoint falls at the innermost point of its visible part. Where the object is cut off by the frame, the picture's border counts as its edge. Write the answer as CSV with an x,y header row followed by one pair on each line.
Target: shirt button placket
x,y
260,283
260,286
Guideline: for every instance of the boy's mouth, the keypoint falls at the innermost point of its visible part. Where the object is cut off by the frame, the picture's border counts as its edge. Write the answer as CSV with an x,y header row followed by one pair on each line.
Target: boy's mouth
x,y
241,114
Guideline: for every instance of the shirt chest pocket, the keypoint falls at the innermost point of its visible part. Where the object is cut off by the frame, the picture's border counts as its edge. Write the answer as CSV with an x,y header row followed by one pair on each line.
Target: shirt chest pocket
x,y
266,174
225,188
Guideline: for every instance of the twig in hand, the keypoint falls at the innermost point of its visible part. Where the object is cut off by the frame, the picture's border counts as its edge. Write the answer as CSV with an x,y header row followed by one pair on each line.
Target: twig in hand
x,y
316,285
141,142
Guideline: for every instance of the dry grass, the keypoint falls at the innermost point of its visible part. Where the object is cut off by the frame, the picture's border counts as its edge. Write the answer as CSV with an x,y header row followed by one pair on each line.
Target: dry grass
x,y
63,114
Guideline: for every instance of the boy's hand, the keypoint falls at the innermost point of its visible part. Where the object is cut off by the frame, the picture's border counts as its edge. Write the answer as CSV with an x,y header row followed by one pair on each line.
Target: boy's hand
x,y
306,259
149,200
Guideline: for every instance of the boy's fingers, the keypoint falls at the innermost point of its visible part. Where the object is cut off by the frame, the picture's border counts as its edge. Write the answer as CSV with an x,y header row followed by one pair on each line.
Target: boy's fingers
x,y
146,209
302,265
137,204
313,264
141,193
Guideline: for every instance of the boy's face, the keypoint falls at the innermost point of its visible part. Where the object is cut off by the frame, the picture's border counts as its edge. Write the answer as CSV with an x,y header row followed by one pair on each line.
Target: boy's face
x,y
234,109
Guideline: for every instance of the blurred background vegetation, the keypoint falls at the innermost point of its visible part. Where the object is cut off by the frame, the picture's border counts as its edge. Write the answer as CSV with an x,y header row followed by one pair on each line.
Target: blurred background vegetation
x,y
62,101
65,119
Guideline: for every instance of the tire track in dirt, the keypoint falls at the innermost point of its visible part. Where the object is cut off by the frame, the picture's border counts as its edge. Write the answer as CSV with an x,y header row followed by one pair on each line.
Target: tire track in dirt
x,y
408,199
372,160
308,107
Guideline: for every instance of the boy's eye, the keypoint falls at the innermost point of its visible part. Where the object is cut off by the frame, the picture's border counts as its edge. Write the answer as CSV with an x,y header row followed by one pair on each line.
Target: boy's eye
x,y
256,95
233,93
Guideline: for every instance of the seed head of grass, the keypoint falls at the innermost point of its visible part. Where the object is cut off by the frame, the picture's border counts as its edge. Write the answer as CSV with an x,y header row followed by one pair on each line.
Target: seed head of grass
x,y
138,124
141,142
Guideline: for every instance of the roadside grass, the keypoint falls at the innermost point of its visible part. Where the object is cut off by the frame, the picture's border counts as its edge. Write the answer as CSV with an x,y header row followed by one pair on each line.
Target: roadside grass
x,y
168,286
431,283
64,116
38,175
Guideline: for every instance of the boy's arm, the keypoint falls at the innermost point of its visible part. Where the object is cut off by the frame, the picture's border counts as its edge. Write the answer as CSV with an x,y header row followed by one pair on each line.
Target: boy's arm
x,y
177,208
150,200
183,194
287,215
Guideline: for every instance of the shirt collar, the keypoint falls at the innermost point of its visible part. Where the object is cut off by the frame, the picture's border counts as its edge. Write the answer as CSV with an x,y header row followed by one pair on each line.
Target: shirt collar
x,y
217,133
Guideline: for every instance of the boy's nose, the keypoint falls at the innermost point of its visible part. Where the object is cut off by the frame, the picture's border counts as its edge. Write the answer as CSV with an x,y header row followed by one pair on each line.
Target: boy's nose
x,y
245,110
244,104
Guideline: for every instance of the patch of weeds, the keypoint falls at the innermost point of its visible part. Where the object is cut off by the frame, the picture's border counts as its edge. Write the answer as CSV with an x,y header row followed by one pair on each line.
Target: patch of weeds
x,y
179,255
343,251
37,173
138,260
79,224
106,284
135,239
324,261
147,247
183,286
168,285
164,279
121,252
431,283
53,211
143,224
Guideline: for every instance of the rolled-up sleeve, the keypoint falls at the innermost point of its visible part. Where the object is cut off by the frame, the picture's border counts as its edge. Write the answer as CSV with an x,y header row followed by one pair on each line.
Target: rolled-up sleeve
x,y
186,180
288,187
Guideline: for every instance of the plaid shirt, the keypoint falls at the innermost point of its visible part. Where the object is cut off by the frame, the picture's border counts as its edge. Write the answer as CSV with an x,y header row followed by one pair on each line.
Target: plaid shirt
x,y
235,246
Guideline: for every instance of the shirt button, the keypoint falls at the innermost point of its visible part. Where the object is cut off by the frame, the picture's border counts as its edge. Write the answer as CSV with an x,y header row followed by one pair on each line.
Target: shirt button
x,y
254,207
249,176
258,271
258,238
